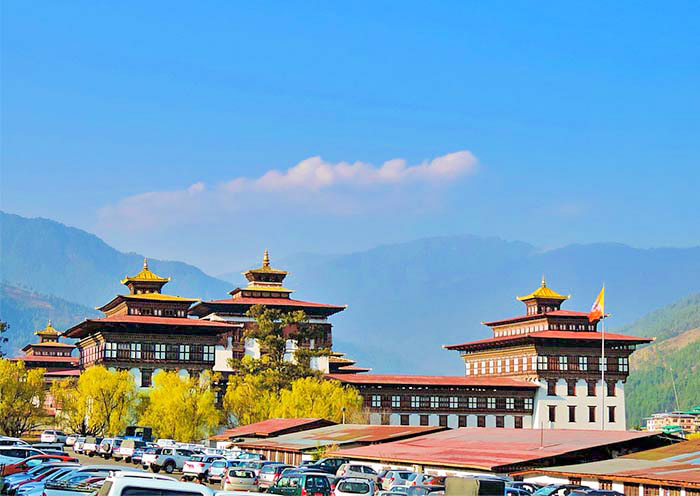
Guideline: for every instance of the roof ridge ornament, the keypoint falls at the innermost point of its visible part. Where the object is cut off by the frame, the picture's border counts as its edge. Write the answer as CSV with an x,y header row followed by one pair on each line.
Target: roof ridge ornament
x,y
266,259
145,263
544,281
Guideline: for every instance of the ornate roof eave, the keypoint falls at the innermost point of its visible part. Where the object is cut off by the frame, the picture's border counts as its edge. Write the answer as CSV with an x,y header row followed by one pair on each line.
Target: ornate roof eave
x,y
265,268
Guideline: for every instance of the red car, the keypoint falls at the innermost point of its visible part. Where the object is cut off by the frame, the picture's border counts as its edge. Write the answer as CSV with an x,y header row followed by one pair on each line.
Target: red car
x,y
33,461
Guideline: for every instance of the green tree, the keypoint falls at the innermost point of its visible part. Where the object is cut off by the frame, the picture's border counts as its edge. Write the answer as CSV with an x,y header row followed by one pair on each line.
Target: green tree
x,y
4,326
182,408
318,398
272,330
22,397
100,402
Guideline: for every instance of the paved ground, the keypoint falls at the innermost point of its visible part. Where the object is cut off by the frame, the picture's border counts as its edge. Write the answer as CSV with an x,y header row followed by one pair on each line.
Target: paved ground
x,y
96,460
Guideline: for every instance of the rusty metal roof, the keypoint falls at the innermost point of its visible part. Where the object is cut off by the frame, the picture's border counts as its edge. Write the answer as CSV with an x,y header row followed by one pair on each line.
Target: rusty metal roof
x,y
677,464
344,434
271,427
492,448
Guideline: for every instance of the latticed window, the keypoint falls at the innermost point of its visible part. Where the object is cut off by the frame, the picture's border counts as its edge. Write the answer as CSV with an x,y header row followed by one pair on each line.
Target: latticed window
x,y
209,353
184,352
160,351
510,403
415,401
528,403
454,402
623,364
563,363
395,401
135,351
541,362
376,401
110,350
583,363
491,403
434,402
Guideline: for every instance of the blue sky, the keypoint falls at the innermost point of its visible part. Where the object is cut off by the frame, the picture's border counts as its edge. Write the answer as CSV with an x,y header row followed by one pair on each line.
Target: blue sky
x,y
156,125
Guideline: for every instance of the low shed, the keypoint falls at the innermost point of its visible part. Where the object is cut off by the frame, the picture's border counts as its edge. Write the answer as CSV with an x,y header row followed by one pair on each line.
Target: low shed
x,y
296,447
504,450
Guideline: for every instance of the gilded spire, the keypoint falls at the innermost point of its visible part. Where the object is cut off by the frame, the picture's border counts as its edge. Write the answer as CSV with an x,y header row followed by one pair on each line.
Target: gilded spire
x,y
266,259
145,263
544,282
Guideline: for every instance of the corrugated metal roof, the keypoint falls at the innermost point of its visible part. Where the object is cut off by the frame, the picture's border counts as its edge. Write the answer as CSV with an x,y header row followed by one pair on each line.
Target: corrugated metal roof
x,y
490,448
269,427
677,464
339,435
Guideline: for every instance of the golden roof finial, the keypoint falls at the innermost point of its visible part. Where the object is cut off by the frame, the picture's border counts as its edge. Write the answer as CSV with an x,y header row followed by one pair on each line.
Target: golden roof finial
x,y
49,323
145,263
266,259
544,282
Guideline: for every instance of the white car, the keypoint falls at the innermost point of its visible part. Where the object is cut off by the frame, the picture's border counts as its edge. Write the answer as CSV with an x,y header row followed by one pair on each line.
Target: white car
x,y
166,442
141,483
198,467
357,470
11,441
354,486
71,439
168,459
53,437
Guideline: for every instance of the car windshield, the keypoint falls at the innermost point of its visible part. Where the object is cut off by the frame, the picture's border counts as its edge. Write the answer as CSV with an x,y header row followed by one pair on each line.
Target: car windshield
x,y
268,469
353,487
253,464
545,491
218,464
197,458
405,475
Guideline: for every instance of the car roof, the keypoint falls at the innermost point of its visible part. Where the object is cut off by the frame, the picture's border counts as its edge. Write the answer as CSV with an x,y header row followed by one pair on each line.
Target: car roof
x,y
354,479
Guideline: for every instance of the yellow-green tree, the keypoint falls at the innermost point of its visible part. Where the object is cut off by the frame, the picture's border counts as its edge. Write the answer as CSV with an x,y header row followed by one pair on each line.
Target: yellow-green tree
x,y
318,398
100,402
21,398
249,398
182,408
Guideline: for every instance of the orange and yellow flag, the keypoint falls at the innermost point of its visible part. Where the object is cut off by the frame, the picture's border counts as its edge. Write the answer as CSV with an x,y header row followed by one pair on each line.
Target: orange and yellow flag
x,y
598,308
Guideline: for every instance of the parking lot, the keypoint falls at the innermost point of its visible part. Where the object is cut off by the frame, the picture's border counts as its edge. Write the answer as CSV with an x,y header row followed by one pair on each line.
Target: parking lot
x,y
96,460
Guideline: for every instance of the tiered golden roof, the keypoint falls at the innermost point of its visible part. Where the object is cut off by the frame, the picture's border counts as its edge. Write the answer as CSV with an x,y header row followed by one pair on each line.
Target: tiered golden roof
x,y
47,331
266,267
145,276
543,292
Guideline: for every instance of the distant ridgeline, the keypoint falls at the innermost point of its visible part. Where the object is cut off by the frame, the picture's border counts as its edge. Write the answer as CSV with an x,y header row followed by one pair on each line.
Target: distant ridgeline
x,y
673,357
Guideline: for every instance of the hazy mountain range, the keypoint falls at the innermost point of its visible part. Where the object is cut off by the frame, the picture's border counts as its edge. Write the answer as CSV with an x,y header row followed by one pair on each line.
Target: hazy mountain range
x,y
405,300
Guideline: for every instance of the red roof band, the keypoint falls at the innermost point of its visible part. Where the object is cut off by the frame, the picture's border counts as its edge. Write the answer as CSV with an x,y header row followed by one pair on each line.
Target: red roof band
x,y
542,335
75,331
204,308
430,380
538,316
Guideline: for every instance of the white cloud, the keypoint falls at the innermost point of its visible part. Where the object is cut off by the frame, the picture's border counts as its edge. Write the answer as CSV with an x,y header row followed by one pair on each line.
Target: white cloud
x,y
312,178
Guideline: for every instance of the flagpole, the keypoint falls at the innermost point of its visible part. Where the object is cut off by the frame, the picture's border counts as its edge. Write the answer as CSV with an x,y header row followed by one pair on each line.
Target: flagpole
x,y
603,366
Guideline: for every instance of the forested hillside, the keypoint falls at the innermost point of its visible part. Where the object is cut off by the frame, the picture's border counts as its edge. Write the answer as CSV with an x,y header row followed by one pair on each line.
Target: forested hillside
x,y
672,357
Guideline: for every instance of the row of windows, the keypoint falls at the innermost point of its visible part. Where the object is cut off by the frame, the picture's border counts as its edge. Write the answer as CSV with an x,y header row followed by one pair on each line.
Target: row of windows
x,y
544,327
147,376
462,421
571,387
51,353
552,411
160,351
158,312
547,362
450,402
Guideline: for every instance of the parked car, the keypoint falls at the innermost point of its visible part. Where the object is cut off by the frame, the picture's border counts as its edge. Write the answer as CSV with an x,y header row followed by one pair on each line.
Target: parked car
x,y
595,492
38,479
257,466
395,478
301,483
36,488
557,490
239,479
70,439
530,487
425,490
514,491
33,461
354,486
163,443
53,437
11,441
20,476
394,491
80,481
197,467
417,479
328,465
168,459
125,449
357,470
142,483
269,474
78,445
14,454
108,445
91,445
218,469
